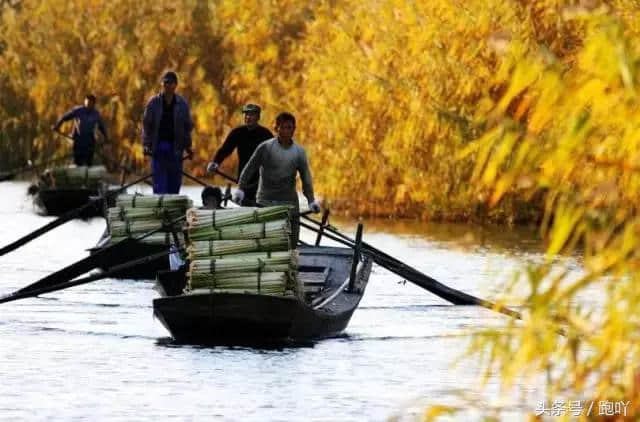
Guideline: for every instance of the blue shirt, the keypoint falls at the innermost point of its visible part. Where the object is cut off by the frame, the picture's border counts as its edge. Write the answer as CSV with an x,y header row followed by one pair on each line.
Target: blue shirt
x,y
85,121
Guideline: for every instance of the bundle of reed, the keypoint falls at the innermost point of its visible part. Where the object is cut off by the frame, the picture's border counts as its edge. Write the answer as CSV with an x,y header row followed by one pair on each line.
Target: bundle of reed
x,y
278,262
75,177
132,214
274,283
248,255
128,228
160,238
199,219
269,229
170,201
211,248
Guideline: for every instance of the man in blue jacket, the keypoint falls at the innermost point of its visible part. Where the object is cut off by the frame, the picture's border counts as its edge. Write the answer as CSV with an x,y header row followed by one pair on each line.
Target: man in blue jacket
x,y
85,119
166,134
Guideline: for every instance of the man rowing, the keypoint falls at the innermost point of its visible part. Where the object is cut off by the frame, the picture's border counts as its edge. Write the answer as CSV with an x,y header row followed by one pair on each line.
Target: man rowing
x,y
278,162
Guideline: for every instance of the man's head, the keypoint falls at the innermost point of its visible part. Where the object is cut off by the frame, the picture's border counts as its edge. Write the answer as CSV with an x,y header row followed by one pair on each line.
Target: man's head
x,y
169,83
211,197
251,114
89,101
285,126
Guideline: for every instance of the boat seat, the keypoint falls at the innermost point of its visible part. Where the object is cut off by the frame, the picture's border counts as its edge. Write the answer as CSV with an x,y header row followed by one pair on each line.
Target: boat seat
x,y
313,279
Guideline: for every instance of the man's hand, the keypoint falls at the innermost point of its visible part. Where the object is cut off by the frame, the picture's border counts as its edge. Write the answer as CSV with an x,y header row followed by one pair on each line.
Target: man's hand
x,y
238,196
314,206
146,150
189,153
212,167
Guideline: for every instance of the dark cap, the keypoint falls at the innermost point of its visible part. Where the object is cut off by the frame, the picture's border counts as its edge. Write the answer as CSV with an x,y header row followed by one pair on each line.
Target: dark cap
x,y
251,108
170,77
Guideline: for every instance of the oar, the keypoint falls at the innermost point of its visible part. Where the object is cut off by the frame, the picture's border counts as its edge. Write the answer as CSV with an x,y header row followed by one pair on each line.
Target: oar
x,y
65,285
64,218
89,263
398,267
453,296
13,173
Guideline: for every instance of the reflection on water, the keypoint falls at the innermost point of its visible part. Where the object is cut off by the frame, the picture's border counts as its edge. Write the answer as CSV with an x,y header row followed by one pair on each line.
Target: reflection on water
x,y
95,352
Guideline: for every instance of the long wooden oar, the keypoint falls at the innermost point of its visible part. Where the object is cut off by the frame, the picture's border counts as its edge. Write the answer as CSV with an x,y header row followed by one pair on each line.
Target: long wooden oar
x,y
65,217
398,267
453,296
114,271
13,173
93,261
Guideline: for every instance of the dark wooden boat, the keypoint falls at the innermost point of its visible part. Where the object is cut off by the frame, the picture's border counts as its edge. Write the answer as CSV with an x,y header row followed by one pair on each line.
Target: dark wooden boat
x,y
51,201
129,252
323,309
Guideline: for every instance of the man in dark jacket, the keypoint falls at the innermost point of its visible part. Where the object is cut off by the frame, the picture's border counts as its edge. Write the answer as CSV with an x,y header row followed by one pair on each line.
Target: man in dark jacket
x,y
245,139
85,119
166,134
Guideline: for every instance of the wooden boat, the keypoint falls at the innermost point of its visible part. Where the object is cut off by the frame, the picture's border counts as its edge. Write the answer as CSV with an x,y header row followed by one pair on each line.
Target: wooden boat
x,y
322,310
52,201
128,252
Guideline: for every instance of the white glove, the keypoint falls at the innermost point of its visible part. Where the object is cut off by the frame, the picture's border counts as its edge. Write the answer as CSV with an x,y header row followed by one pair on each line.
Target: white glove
x,y
314,206
238,196
212,167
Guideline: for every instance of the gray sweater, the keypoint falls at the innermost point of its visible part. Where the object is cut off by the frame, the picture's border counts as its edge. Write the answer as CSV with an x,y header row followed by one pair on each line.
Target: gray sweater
x,y
278,167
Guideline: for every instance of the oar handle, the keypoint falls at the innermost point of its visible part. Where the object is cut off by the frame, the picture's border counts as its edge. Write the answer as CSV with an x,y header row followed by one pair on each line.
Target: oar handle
x,y
65,285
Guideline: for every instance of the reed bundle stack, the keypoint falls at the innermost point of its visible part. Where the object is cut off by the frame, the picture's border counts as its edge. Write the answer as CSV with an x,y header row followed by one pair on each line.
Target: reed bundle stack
x,y
241,250
81,177
136,214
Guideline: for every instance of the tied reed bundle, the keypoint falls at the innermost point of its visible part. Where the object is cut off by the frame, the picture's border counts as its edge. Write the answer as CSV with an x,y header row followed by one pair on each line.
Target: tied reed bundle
x,y
277,262
154,201
199,219
209,248
265,230
74,177
273,283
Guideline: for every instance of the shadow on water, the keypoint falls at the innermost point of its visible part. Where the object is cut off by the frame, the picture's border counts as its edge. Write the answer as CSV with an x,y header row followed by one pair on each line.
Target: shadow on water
x,y
239,344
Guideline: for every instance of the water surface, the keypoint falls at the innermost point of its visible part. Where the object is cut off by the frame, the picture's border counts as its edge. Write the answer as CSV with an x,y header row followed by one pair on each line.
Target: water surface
x,y
95,352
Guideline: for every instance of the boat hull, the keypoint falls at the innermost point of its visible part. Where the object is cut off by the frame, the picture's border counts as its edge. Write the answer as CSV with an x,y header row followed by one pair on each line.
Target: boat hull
x,y
59,201
245,319
232,318
130,251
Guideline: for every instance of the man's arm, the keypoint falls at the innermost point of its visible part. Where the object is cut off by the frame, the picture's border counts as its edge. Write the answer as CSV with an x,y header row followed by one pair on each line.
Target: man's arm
x,y
305,176
69,115
230,143
252,167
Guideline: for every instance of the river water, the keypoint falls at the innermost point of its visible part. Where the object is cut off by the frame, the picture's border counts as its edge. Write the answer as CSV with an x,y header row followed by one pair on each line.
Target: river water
x,y
95,352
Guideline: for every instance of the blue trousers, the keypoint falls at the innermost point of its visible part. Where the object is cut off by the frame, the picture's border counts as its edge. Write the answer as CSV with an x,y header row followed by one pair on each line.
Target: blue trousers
x,y
166,166
83,152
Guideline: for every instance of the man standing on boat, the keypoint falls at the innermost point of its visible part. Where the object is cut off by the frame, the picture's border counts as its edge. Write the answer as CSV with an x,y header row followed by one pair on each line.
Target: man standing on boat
x,y
279,160
245,139
166,134
85,119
